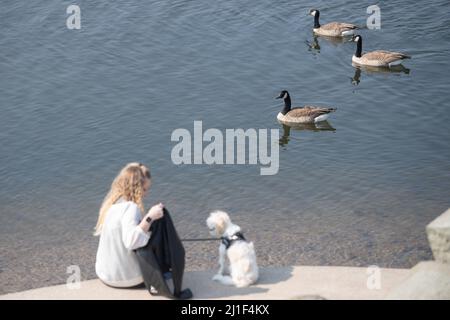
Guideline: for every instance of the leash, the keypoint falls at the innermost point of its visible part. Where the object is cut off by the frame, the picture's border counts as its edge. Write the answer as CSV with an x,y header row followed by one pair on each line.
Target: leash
x,y
201,239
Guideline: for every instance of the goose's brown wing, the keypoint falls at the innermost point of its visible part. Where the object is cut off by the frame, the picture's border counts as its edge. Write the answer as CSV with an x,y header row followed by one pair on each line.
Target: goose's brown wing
x,y
385,56
309,111
338,27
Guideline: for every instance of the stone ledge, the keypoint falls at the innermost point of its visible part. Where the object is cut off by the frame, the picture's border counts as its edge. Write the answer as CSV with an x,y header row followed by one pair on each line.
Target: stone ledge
x,y
298,282
427,280
438,232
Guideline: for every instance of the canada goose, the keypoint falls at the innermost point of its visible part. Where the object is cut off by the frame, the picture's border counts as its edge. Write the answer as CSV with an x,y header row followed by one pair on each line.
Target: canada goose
x,y
332,29
379,58
306,114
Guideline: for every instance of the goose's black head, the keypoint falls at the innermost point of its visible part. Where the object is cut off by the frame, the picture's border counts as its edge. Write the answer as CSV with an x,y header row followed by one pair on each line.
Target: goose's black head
x,y
287,101
283,95
316,14
355,38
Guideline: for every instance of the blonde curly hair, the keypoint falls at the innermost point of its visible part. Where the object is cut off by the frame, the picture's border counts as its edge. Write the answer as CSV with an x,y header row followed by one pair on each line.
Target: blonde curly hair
x,y
129,184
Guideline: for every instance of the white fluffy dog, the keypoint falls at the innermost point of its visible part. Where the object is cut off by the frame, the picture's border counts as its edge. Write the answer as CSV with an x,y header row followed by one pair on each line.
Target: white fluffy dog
x,y
241,254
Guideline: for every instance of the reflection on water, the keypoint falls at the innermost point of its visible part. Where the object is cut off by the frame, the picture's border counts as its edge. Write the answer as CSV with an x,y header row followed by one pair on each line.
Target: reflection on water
x,y
314,45
320,126
335,41
356,79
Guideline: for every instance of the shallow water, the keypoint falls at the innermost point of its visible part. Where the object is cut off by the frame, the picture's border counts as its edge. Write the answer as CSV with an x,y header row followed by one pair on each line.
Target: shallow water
x,y
77,105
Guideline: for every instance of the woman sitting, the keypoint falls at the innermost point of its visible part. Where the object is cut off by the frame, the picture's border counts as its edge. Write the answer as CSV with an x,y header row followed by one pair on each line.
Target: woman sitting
x,y
122,227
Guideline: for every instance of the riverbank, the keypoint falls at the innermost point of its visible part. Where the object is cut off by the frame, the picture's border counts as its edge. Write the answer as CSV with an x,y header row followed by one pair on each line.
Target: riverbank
x,y
426,280
39,257
297,282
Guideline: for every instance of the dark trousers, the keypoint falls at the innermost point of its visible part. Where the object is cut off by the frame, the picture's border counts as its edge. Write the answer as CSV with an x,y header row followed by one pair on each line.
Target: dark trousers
x,y
164,253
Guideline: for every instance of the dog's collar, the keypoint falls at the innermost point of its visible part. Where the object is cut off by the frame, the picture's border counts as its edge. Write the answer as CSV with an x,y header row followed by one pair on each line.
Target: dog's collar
x,y
228,241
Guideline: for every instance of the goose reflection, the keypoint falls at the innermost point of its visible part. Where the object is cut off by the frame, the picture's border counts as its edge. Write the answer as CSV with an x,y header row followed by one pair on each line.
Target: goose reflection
x,y
320,126
314,45
335,41
397,69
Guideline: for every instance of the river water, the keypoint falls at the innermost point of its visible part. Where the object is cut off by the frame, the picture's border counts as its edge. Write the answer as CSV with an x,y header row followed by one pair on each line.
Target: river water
x,y
76,105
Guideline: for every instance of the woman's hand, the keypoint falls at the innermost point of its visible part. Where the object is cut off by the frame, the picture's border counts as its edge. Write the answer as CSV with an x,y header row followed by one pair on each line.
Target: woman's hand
x,y
156,212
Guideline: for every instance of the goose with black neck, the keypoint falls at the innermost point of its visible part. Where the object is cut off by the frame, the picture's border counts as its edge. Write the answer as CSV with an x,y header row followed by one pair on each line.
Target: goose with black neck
x,y
332,29
378,58
306,114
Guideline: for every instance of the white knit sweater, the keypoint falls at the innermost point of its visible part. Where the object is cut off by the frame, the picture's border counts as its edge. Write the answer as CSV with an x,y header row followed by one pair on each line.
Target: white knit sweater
x,y
116,263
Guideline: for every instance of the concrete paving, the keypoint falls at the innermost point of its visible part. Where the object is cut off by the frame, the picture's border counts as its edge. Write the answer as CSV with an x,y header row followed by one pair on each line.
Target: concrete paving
x,y
428,280
298,282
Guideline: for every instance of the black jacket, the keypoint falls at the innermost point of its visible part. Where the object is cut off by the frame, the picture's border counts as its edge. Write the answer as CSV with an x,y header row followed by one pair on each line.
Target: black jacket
x,y
163,253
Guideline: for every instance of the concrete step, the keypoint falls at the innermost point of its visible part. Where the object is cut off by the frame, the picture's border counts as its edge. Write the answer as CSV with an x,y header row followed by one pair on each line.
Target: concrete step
x,y
296,282
427,280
